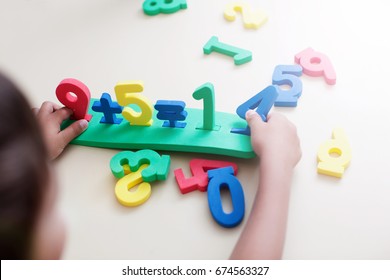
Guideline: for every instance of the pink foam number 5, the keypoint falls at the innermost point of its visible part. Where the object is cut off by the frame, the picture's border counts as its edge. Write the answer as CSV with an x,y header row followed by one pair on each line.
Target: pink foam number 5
x,y
316,64
74,95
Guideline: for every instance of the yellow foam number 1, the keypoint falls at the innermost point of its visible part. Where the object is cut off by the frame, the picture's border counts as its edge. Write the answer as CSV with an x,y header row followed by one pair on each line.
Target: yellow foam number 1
x,y
128,93
334,155
132,198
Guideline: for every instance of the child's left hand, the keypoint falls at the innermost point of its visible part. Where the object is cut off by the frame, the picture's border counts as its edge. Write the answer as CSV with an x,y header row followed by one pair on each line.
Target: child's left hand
x,y
50,117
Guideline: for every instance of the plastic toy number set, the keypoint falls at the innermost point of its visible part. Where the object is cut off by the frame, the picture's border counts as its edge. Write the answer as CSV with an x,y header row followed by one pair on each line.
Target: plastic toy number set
x,y
132,122
146,166
173,127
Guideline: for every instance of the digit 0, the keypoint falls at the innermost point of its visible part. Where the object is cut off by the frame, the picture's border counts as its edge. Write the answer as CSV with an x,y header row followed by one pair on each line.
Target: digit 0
x,y
74,95
219,178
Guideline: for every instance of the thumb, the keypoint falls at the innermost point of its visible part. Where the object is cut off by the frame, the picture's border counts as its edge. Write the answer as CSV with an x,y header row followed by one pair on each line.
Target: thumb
x,y
254,119
74,130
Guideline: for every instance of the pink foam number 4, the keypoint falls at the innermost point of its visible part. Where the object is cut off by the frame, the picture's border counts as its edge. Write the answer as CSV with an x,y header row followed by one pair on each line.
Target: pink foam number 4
x,y
316,64
74,95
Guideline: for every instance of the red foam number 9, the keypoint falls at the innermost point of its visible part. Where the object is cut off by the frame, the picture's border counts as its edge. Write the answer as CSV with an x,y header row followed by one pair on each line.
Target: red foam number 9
x,y
74,95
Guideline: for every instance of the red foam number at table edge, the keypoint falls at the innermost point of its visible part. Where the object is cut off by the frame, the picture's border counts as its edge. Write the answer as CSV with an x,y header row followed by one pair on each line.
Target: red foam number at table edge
x,y
79,103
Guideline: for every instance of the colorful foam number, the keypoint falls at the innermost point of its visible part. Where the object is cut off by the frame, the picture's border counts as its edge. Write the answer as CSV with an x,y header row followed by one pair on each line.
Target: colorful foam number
x,y
251,18
240,56
155,7
199,179
158,168
334,155
76,96
172,111
287,75
128,93
131,180
220,178
206,93
109,109
263,101
316,64
190,139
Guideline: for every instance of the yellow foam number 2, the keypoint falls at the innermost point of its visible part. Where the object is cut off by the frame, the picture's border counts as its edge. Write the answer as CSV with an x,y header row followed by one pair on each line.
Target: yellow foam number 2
x,y
128,93
251,19
122,187
334,155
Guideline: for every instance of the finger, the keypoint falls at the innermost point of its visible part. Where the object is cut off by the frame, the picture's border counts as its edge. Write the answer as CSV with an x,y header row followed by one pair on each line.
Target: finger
x,y
277,117
48,107
72,131
253,118
62,114
35,111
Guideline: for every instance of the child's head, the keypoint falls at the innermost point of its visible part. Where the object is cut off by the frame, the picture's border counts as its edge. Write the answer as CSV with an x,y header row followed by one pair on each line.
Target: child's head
x,y
28,224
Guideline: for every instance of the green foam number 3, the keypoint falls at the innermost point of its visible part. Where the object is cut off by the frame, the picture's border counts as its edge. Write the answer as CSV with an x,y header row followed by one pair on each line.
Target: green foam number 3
x,y
158,165
155,7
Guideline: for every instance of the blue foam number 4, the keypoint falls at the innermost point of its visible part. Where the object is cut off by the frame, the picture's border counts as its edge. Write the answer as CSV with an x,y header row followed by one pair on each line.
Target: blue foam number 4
x,y
219,178
154,7
264,101
287,75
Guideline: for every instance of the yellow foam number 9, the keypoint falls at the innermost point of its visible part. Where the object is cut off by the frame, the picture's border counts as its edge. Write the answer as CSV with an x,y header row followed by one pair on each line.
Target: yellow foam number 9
x,y
122,187
128,93
334,155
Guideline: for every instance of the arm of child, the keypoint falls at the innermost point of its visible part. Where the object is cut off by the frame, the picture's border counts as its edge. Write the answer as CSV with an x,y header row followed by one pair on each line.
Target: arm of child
x,y
277,144
50,117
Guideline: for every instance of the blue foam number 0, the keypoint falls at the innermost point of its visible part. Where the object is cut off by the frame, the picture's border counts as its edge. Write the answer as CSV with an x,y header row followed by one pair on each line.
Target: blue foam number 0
x,y
219,178
264,101
287,75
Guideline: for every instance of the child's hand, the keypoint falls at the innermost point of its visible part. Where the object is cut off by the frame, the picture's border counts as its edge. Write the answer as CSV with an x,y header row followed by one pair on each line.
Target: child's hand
x,y
50,117
276,142
276,138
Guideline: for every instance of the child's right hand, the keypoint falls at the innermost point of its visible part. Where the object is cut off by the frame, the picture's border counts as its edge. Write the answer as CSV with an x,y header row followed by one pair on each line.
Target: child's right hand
x,y
276,142
276,138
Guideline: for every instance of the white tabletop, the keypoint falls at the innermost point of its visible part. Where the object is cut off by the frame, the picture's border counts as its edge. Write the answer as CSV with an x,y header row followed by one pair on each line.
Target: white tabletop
x,y
101,42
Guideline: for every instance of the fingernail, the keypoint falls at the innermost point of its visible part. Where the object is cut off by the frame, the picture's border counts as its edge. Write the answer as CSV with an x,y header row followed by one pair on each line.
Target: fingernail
x,y
250,113
83,124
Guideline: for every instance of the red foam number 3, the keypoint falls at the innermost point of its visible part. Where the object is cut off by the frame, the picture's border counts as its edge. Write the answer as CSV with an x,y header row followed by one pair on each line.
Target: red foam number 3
x,y
74,95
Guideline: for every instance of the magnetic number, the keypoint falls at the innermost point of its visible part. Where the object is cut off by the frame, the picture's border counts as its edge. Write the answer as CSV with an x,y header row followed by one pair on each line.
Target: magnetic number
x,y
263,101
75,96
199,179
206,92
287,75
131,180
128,93
219,178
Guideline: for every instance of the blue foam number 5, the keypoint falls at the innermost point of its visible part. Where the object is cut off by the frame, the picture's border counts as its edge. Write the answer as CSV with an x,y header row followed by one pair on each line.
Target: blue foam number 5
x,y
264,101
288,75
219,178
154,7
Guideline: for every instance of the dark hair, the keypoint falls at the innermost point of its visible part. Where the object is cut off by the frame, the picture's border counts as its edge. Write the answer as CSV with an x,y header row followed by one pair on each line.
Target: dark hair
x,y
23,172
